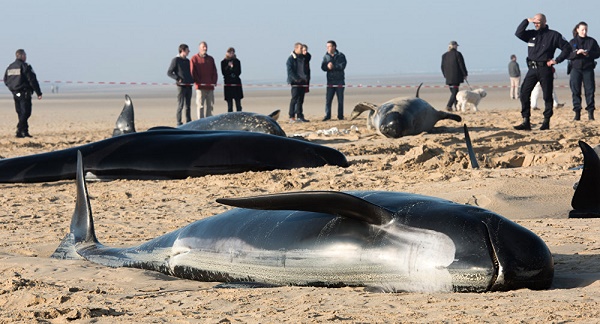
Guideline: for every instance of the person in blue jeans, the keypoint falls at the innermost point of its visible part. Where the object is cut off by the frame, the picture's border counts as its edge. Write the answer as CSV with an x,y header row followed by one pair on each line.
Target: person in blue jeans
x,y
334,63
581,69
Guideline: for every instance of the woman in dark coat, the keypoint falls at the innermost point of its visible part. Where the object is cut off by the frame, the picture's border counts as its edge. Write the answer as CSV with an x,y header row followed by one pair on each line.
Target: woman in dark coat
x,y
231,69
454,70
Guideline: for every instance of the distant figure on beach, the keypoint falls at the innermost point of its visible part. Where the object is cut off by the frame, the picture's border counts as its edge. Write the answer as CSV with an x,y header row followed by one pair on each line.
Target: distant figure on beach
x,y
297,78
231,68
541,43
179,70
455,72
514,72
22,82
334,63
204,72
582,63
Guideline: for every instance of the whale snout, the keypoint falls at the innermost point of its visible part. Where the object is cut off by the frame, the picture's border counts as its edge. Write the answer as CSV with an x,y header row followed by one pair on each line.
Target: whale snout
x,y
391,125
523,259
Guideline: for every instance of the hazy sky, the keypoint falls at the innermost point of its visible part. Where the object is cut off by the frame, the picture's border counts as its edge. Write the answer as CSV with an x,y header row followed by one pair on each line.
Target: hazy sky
x,y
134,41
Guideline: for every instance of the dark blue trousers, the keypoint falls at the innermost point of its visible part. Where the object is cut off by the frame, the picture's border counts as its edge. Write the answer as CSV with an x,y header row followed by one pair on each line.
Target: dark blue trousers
x,y
588,78
339,92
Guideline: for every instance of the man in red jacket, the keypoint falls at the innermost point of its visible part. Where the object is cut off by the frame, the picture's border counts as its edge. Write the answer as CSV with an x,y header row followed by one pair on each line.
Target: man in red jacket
x,y
204,72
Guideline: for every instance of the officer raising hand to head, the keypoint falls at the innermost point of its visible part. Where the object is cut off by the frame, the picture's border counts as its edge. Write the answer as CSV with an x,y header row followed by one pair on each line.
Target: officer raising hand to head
x,y
542,43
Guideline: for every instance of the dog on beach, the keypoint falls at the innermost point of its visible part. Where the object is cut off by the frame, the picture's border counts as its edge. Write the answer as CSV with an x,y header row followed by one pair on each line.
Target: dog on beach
x,y
471,97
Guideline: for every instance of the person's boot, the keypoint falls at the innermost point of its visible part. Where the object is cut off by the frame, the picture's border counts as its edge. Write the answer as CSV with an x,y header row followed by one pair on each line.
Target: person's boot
x,y
591,115
577,115
545,124
526,125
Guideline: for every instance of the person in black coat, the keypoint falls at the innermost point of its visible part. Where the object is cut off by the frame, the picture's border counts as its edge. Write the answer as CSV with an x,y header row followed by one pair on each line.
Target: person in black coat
x,y
581,68
231,68
542,42
22,82
454,70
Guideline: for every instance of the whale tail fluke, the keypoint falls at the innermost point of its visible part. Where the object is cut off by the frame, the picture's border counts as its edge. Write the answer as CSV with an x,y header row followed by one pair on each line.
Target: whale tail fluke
x,y
362,107
82,223
125,122
454,117
586,200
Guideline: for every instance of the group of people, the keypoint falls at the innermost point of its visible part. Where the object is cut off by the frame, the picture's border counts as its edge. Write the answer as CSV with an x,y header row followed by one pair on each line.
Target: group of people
x,y
298,76
201,72
542,42
581,52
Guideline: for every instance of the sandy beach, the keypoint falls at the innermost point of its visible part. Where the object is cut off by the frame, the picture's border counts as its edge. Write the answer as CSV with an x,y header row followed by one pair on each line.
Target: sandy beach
x,y
524,176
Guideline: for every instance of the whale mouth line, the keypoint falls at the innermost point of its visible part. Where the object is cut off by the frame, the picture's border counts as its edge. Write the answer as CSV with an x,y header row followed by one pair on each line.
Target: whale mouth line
x,y
497,275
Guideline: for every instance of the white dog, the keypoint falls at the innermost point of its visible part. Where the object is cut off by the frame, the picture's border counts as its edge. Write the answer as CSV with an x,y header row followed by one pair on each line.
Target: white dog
x,y
472,97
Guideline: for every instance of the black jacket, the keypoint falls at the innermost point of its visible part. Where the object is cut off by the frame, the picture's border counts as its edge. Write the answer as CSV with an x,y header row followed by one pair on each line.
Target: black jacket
x,y
453,67
19,76
336,75
179,70
542,43
580,61
231,75
293,76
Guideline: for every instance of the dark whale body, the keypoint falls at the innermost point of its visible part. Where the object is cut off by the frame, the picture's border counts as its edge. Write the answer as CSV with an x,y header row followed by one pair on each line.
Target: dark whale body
x,y
389,240
236,121
172,154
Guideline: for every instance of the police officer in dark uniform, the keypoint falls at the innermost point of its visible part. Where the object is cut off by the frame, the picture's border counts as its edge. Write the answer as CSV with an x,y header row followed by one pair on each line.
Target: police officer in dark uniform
x,y
22,82
541,42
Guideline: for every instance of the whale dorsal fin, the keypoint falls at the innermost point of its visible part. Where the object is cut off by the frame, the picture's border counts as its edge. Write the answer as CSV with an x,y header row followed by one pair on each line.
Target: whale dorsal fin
x,y
125,122
418,88
330,202
586,200
82,223
275,114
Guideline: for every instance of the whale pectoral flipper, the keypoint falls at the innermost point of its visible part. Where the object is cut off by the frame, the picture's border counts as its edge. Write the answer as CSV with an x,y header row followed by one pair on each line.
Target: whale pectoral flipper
x,y
330,202
362,107
586,199
470,150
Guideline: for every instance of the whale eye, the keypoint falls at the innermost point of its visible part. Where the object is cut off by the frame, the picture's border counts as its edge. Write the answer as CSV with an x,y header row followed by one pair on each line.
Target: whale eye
x,y
391,125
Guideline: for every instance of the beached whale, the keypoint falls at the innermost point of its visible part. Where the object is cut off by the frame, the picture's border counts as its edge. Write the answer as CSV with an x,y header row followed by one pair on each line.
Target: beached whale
x,y
402,116
239,120
586,199
172,154
386,240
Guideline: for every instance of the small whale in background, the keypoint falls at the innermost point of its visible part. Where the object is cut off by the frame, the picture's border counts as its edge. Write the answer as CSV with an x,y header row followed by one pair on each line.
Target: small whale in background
x,y
239,120
386,240
402,116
